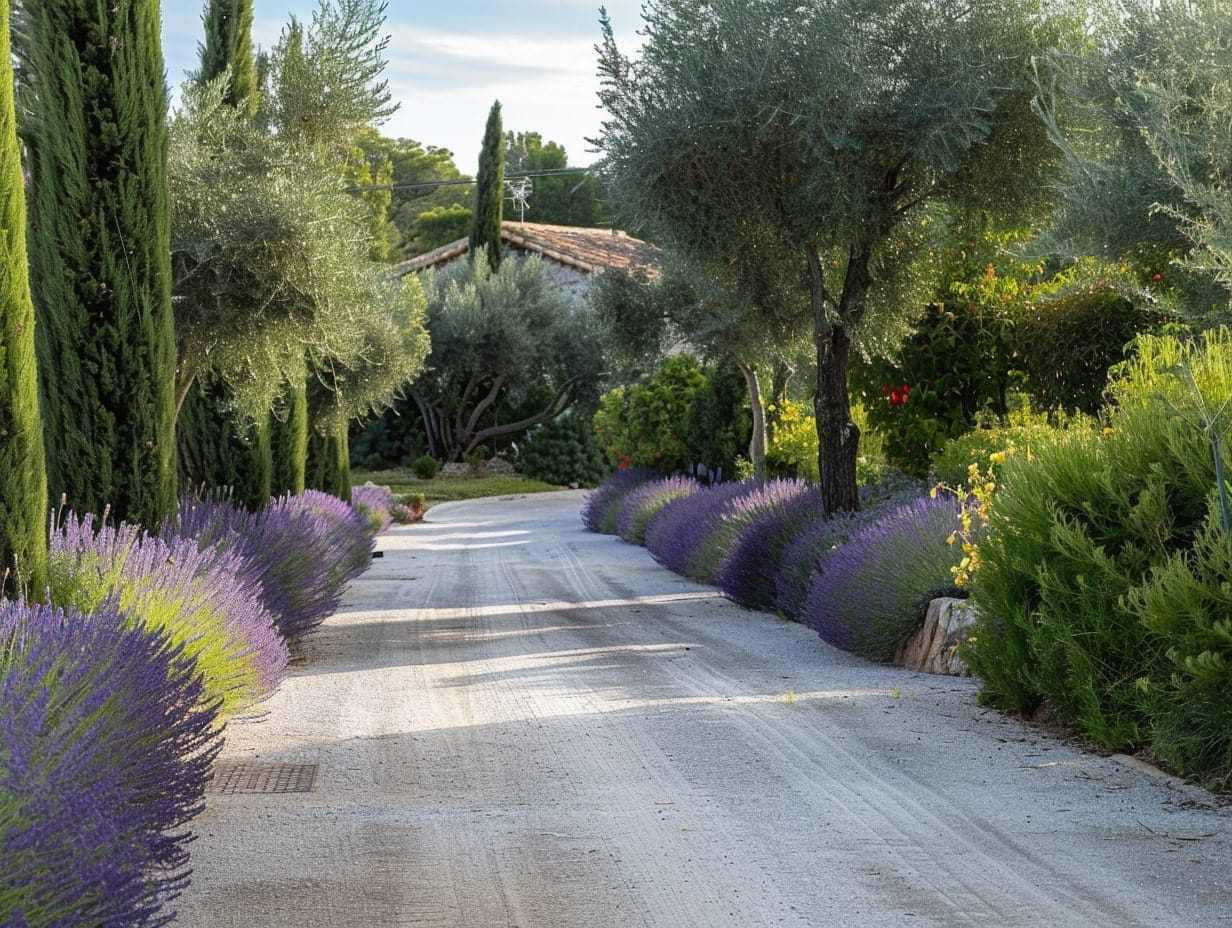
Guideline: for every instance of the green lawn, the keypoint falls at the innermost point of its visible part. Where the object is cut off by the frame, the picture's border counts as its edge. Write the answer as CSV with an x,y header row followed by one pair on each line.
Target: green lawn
x,y
442,489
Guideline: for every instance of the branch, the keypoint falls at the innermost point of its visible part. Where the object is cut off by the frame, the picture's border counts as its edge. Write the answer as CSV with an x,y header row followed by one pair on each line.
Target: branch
x,y
560,402
484,404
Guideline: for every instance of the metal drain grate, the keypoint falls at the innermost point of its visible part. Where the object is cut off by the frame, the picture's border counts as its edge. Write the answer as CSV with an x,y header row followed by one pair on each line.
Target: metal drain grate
x,y
232,779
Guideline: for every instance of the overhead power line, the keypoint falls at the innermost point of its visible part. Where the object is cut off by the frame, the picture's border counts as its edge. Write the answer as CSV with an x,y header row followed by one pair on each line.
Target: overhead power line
x,y
433,184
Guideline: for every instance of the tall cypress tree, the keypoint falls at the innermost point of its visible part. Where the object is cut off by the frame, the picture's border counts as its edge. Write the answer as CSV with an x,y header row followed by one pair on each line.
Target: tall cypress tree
x,y
228,44
490,191
217,446
23,480
100,251
289,439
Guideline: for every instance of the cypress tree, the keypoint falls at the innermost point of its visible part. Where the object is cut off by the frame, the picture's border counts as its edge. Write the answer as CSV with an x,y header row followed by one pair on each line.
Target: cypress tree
x,y
228,44
23,480
217,447
289,440
100,254
490,191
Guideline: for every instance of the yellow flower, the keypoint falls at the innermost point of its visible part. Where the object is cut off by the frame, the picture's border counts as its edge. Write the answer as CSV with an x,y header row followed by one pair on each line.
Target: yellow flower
x,y
1108,431
997,457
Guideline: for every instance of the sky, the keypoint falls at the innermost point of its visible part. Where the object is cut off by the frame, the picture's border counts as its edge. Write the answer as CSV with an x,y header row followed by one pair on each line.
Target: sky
x,y
448,60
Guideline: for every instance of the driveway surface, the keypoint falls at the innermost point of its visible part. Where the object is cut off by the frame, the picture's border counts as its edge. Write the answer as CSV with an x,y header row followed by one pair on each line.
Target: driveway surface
x,y
518,723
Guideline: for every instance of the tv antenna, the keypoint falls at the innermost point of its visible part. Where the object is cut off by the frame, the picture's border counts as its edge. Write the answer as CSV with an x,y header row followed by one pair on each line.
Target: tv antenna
x,y
520,191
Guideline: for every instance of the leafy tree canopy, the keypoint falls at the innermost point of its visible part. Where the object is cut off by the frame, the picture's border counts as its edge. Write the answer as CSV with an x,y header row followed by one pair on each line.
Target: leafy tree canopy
x,y
271,260
573,199
1141,111
504,333
832,130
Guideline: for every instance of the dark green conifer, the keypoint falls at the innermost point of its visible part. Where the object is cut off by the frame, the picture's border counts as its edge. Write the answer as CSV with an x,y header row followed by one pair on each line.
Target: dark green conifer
x,y
99,245
489,192
228,44
289,440
23,480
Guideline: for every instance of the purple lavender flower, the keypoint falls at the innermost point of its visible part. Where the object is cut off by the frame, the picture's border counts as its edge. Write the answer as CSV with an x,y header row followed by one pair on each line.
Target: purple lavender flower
x,y
749,572
869,593
674,536
107,741
201,598
375,503
602,504
643,502
301,550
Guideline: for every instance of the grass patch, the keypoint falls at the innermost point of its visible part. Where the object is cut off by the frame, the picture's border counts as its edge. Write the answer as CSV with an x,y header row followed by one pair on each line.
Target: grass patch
x,y
444,489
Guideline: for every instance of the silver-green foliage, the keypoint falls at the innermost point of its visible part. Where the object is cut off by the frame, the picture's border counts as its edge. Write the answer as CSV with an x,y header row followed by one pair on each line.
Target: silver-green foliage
x,y
833,131
496,336
271,262
1141,110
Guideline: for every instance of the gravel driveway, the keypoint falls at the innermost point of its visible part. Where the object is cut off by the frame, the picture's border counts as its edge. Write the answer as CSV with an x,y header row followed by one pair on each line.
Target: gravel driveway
x,y
518,723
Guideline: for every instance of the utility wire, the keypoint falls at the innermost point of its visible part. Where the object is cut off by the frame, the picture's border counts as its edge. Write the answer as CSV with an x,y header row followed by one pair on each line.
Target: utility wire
x,y
433,184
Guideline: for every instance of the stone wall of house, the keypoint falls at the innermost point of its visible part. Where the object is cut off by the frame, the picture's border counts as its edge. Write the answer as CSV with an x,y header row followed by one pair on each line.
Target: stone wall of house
x,y
571,282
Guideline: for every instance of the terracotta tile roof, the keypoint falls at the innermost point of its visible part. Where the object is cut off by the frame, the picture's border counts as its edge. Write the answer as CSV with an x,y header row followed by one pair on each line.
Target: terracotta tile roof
x,y
587,250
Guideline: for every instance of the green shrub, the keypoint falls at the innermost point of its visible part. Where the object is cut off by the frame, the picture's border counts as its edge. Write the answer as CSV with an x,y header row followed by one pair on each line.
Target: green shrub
x,y
960,361
1070,342
1021,433
1101,584
425,467
792,450
563,452
719,424
641,425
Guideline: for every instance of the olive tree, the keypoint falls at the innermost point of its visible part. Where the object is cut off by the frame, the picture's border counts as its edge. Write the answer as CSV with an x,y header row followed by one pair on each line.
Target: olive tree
x,y
831,130
501,334
1142,114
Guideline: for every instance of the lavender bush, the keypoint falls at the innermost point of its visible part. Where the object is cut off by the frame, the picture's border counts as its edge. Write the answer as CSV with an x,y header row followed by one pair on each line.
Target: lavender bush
x,y
202,600
718,541
375,503
677,535
301,551
801,554
869,593
106,742
749,572
602,505
641,504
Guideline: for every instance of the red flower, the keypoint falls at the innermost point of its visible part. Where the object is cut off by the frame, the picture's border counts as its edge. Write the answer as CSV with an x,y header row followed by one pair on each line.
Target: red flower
x,y
1157,277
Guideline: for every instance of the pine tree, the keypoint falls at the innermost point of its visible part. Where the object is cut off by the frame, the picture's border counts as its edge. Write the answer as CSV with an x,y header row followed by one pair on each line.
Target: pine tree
x,y
100,250
23,480
490,192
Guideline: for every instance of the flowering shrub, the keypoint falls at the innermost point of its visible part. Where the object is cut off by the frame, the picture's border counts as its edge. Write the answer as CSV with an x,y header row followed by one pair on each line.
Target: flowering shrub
x,y
749,572
678,532
870,592
793,447
203,601
301,550
602,505
716,542
375,503
107,738
643,503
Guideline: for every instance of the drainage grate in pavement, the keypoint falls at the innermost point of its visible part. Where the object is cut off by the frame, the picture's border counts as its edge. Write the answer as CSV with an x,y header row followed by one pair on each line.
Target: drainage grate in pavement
x,y
263,778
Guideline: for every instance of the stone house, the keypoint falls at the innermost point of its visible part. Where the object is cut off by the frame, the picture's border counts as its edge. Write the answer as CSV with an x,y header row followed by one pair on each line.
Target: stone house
x,y
570,254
